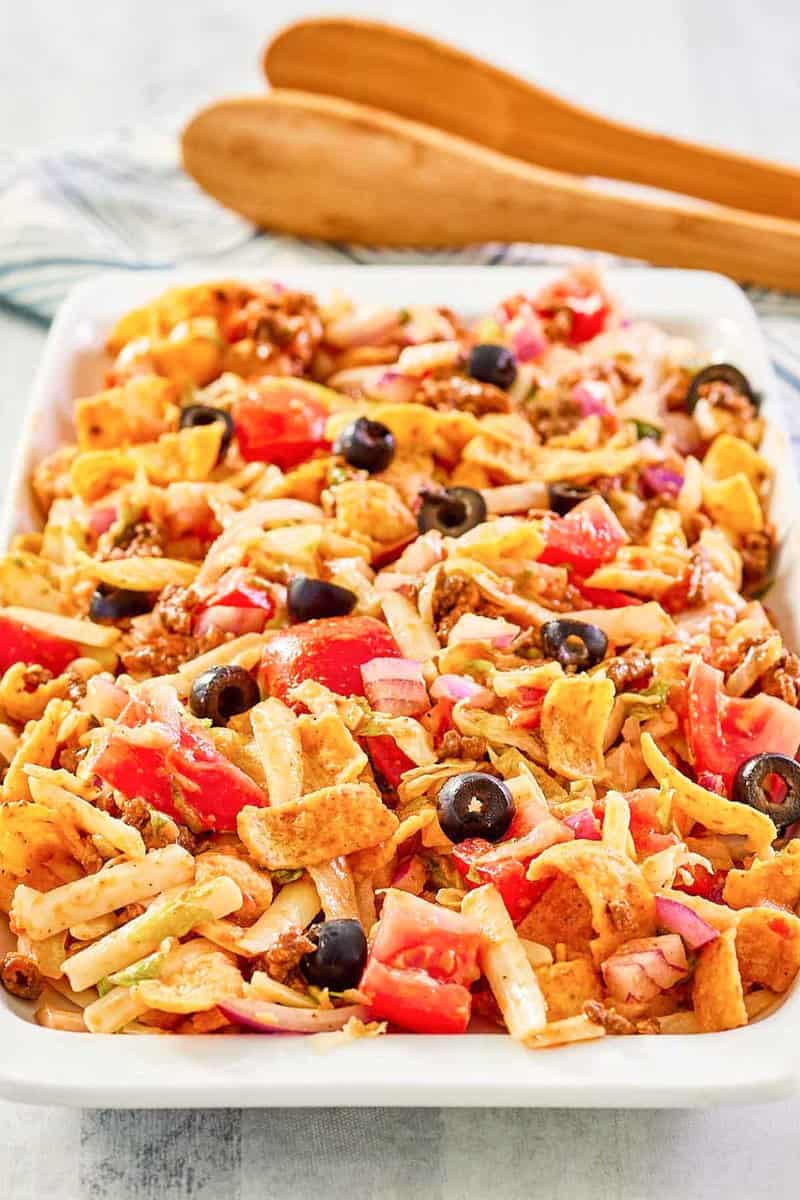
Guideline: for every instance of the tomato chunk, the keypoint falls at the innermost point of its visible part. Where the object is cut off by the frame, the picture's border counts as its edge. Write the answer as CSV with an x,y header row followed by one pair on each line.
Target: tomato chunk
x,y
508,876
21,643
330,651
174,767
414,1001
234,589
282,427
724,731
585,538
422,961
388,758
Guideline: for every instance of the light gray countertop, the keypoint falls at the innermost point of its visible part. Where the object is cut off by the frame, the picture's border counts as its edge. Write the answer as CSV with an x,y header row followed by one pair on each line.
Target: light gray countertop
x,y
726,73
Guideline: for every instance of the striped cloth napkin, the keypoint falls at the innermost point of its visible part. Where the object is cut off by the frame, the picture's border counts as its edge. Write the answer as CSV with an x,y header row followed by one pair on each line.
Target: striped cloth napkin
x,y
126,204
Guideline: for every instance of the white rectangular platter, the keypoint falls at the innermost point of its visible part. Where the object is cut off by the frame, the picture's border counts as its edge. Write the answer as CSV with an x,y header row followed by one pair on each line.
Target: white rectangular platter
x,y
759,1062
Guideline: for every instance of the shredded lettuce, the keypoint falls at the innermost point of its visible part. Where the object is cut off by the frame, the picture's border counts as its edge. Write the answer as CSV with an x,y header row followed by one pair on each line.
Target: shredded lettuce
x,y
146,968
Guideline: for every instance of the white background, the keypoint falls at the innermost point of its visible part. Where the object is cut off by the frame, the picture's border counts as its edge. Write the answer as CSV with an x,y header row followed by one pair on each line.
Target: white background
x,y
727,71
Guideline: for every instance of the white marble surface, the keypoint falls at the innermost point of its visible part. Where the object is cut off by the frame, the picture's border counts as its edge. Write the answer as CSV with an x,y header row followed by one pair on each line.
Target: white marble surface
x,y
728,73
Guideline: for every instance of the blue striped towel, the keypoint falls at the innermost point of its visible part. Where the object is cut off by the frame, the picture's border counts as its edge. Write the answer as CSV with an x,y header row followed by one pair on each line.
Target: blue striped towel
x,y
126,204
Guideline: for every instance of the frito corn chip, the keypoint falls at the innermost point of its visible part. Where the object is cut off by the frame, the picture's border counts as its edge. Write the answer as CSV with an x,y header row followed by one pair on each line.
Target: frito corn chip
x,y
330,753
733,504
320,826
29,581
190,454
139,411
728,455
776,880
95,473
374,511
717,988
37,745
574,719
768,947
567,986
501,538
621,903
32,847
715,812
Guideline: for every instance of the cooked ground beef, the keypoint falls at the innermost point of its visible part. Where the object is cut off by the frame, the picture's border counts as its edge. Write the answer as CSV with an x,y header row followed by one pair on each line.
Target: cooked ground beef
x,y
21,976
287,329
285,955
176,609
783,680
454,745
757,551
614,1022
160,654
466,395
555,419
453,596
142,540
630,670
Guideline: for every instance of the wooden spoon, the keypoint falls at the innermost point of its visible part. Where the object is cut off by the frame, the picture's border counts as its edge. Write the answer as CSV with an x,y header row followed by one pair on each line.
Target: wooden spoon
x,y
427,80
323,168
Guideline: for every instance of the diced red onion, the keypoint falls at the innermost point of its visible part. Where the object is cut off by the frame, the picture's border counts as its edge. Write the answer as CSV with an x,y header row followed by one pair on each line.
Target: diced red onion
x,y
470,627
660,481
585,825
262,1016
528,340
593,397
393,387
680,919
395,686
104,698
642,968
462,687
230,619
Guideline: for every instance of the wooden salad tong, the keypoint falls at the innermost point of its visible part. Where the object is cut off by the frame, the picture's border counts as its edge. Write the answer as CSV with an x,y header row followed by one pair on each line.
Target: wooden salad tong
x,y
329,166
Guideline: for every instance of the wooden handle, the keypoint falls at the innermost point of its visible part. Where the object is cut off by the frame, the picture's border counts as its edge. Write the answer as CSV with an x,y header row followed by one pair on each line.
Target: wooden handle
x,y
427,80
323,168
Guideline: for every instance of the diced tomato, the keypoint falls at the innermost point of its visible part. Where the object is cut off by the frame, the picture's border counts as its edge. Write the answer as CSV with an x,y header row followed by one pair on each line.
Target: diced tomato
x,y
724,731
644,825
414,1001
175,767
704,883
586,313
282,427
330,651
525,711
21,643
235,591
422,961
508,876
711,782
439,719
585,538
388,758
605,597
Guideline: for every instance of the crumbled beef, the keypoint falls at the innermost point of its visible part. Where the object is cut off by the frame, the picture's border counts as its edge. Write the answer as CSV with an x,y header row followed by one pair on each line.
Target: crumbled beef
x,y
783,680
21,976
176,609
555,419
455,745
614,1022
757,551
76,686
159,654
141,540
135,811
286,328
34,676
454,595
466,395
284,957
630,670
689,591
